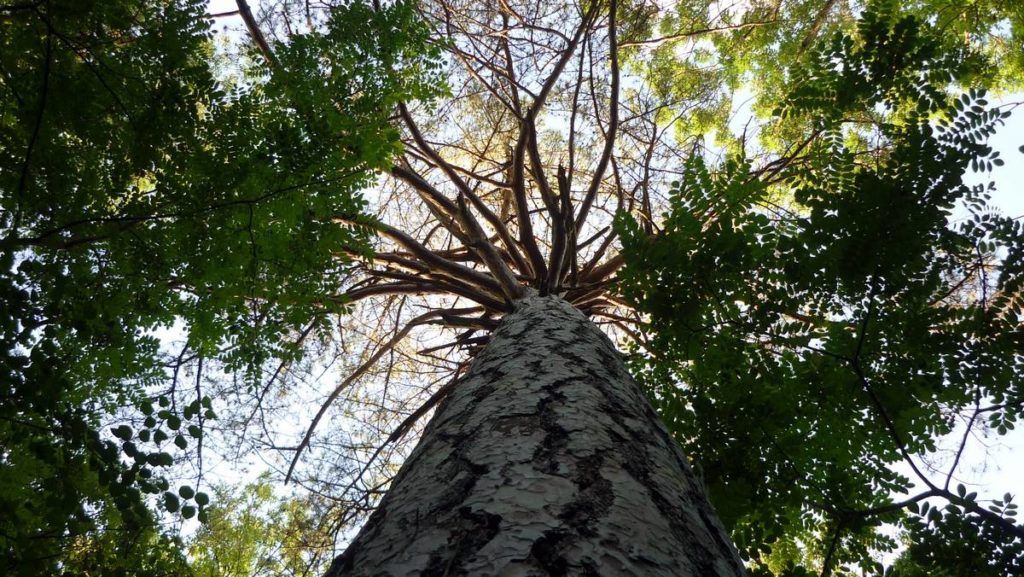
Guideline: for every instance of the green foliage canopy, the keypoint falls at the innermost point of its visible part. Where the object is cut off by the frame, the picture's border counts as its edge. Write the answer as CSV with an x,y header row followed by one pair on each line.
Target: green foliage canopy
x,y
801,351
706,53
253,533
135,193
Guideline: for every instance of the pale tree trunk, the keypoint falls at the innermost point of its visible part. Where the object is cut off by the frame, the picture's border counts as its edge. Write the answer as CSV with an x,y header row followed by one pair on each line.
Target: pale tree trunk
x,y
545,460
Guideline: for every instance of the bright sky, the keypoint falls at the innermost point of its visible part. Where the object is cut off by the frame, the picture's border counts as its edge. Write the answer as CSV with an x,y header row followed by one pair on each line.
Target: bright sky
x,y
1009,178
994,465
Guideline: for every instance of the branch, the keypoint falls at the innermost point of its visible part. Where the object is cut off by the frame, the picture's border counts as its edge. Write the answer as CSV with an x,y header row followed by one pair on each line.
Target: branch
x,y
361,293
444,210
963,440
478,242
606,269
526,237
866,385
256,33
402,429
883,509
509,70
463,187
662,39
826,564
358,372
613,121
435,262
812,33
561,231
438,284
44,93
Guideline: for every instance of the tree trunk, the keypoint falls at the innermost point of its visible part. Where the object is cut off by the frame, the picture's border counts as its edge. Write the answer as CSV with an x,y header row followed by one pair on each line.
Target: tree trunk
x,y
546,459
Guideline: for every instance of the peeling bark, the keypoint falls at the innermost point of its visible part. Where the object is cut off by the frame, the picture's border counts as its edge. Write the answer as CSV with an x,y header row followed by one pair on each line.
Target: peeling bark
x,y
545,459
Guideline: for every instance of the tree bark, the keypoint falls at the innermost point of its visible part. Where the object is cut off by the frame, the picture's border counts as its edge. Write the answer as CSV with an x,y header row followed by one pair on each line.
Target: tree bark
x,y
546,459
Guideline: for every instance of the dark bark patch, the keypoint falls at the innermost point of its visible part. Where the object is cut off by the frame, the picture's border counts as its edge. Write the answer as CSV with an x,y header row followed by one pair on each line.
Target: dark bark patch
x,y
724,548
482,392
594,497
547,552
546,457
463,481
634,459
471,532
524,424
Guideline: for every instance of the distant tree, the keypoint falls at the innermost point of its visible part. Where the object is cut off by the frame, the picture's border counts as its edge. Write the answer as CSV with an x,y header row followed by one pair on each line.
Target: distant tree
x,y
250,532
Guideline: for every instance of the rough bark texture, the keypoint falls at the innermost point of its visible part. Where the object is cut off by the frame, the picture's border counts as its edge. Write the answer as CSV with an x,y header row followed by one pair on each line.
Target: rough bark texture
x,y
545,460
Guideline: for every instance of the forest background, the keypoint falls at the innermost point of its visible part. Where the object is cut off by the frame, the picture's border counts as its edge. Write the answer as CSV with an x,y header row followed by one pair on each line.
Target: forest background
x,y
157,181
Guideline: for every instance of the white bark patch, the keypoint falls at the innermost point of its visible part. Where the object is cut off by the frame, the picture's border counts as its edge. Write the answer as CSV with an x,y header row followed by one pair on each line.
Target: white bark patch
x,y
545,460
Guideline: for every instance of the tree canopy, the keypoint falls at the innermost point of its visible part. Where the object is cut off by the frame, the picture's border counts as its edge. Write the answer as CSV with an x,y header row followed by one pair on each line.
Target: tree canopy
x,y
325,212
138,191
799,353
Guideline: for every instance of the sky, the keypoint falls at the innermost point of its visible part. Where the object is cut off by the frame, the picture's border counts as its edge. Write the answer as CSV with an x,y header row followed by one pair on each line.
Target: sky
x,y
1009,178
995,465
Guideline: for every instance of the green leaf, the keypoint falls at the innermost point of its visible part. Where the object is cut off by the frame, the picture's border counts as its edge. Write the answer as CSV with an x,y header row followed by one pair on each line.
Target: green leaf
x,y
123,432
171,502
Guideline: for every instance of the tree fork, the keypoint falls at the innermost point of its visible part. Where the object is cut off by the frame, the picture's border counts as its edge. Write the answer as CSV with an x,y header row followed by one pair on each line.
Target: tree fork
x,y
545,459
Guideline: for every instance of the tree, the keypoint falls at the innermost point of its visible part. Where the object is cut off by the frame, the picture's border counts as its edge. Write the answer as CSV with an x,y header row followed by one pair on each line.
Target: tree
x,y
253,532
557,118
136,192
888,72
867,324
544,458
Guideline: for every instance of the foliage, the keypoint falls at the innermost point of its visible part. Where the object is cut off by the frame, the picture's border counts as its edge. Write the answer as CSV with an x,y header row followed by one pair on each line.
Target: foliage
x,y
135,193
749,49
815,319
800,352
253,533
948,542
121,551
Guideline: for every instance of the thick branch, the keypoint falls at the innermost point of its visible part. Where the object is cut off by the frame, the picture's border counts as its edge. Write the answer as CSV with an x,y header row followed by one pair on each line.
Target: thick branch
x,y
463,187
479,242
429,258
526,236
257,35
443,209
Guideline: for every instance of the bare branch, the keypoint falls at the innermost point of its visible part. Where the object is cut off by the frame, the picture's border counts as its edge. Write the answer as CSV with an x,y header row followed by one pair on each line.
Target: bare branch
x,y
613,121
358,372
526,237
479,243
699,32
